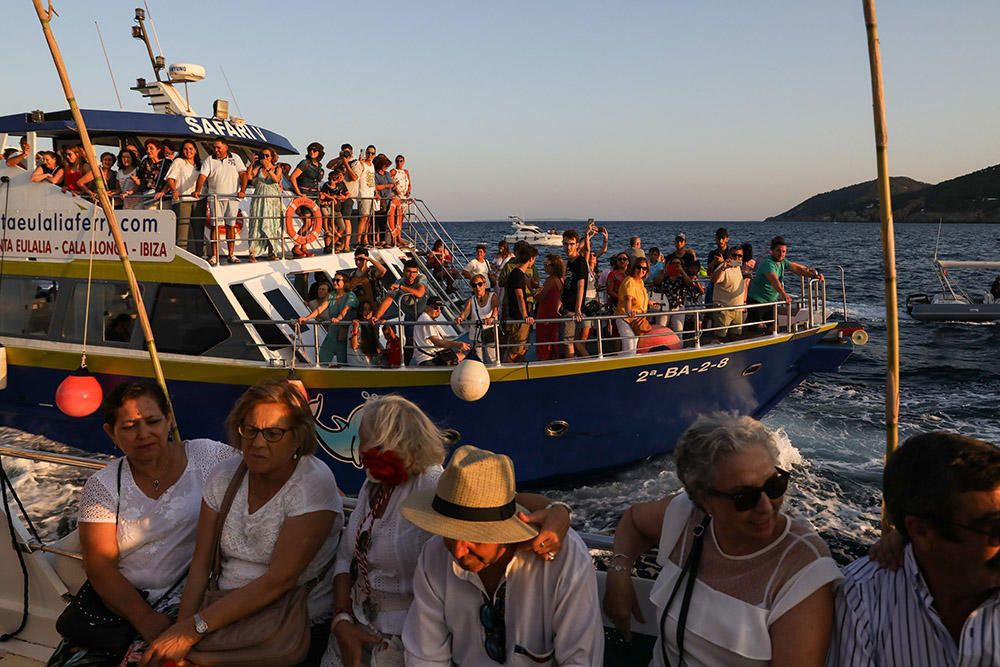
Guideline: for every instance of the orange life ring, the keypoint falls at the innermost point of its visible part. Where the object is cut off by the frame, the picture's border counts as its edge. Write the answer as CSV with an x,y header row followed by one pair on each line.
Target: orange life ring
x,y
311,229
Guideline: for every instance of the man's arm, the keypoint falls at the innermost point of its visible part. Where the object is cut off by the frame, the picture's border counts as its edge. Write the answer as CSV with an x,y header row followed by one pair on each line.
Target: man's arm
x,y
426,637
804,271
523,306
772,278
349,174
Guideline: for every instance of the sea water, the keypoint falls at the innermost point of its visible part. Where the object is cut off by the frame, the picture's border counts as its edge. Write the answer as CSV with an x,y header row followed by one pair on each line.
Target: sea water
x,y
830,429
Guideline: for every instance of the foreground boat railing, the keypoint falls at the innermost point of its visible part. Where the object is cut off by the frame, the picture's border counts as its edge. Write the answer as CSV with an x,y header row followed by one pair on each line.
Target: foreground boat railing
x,y
593,540
693,327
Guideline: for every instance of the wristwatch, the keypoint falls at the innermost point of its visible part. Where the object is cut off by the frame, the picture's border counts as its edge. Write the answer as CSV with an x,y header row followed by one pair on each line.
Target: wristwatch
x,y
200,626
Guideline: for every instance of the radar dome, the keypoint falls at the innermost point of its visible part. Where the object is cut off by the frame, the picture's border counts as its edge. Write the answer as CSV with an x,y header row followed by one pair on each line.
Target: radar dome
x,y
186,72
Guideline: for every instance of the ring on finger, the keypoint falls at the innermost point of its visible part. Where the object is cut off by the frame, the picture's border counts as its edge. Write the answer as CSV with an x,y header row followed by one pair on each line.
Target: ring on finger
x,y
550,555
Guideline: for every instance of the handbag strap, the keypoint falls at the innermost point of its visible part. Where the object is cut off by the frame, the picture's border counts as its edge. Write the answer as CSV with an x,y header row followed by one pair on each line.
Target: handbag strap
x,y
690,570
118,500
227,503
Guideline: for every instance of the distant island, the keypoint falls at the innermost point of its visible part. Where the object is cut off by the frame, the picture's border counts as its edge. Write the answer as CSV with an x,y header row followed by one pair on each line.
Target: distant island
x,y
973,197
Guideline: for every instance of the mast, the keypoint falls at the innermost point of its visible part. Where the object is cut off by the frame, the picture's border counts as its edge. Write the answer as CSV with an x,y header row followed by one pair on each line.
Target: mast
x,y
44,18
888,237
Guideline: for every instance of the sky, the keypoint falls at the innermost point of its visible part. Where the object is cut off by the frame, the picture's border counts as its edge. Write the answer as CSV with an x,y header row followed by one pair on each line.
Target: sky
x,y
669,110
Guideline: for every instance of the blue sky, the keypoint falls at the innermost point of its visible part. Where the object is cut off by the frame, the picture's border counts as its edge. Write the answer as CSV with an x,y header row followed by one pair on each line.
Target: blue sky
x,y
693,110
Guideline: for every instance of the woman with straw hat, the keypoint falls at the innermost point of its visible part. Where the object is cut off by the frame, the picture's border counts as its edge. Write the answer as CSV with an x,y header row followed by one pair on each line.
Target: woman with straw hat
x,y
479,596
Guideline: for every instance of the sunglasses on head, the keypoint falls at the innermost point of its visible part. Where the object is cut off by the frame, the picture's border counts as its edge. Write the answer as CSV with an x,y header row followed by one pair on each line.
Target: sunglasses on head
x,y
746,498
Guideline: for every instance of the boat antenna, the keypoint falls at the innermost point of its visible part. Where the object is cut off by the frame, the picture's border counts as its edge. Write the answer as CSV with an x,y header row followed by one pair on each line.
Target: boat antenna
x,y
45,18
152,25
231,93
114,84
888,240
938,241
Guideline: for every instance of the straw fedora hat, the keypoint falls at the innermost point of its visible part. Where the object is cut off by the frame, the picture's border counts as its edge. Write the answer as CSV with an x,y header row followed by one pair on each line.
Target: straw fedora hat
x,y
474,501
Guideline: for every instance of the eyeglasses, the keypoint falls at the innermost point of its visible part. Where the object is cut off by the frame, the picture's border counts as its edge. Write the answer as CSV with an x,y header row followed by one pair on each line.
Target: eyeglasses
x,y
492,618
738,255
479,284
314,150
337,281
270,433
991,529
371,153
621,259
644,268
746,498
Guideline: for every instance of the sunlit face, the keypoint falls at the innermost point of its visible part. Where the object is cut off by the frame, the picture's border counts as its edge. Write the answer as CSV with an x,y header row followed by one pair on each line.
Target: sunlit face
x,y
108,161
126,159
220,150
49,161
260,455
481,254
140,429
779,252
754,528
474,556
153,151
323,290
679,243
188,151
400,162
410,275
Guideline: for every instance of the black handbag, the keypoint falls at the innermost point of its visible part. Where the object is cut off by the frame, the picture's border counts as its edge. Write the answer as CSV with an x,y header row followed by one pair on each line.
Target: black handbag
x,y
87,622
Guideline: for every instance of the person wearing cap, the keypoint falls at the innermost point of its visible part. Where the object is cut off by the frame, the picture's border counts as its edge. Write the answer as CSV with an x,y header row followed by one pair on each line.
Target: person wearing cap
x,y
718,254
634,249
682,252
480,597
432,345
767,287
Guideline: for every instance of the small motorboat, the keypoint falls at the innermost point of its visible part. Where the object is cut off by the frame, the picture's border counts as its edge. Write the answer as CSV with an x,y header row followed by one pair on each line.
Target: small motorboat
x,y
953,303
533,234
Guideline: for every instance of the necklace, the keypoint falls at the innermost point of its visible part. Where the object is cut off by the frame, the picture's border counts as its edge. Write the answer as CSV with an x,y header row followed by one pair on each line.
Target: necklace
x,y
156,484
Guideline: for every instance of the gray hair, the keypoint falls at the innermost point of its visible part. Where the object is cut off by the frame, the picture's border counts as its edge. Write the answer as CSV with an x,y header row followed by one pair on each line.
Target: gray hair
x,y
712,438
394,423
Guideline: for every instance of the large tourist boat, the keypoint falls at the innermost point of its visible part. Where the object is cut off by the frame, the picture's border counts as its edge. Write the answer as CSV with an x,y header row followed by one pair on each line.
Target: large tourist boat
x,y
220,328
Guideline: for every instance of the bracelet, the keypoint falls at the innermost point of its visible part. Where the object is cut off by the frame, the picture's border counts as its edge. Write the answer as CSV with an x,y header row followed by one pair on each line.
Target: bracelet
x,y
559,503
614,567
619,554
342,616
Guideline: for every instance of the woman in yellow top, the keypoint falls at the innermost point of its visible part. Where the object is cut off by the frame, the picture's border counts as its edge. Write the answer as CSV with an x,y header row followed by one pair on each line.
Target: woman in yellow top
x,y
633,299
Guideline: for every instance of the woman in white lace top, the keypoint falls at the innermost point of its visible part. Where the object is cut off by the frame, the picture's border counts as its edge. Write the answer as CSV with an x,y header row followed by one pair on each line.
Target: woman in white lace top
x,y
281,531
762,581
138,515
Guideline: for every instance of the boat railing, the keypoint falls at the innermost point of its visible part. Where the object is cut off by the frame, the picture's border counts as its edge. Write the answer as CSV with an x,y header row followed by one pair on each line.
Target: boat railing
x,y
694,328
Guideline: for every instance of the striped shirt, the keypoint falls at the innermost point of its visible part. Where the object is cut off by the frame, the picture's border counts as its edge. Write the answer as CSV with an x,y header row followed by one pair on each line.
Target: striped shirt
x,y
887,618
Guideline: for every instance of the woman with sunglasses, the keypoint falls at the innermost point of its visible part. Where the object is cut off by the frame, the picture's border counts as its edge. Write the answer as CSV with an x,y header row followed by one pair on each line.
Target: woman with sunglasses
x,y
762,590
343,305
633,300
264,228
402,451
481,310
281,530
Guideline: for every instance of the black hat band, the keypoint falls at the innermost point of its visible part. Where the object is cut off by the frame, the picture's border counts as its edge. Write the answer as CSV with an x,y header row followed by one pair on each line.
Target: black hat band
x,y
463,513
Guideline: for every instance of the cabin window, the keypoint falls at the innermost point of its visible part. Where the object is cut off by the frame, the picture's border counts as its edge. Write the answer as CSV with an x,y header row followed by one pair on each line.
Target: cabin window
x,y
269,333
26,305
185,320
112,314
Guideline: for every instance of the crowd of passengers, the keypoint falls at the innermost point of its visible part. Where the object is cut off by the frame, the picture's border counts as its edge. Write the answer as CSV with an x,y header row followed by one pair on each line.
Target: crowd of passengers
x,y
195,544
361,201
510,296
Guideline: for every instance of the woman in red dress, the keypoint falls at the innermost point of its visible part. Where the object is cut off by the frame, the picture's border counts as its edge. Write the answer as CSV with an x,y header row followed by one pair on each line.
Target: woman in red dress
x,y
547,298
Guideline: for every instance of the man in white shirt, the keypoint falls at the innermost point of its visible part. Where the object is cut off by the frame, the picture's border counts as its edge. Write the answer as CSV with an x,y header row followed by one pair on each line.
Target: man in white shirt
x,y
432,346
366,193
478,266
226,177
729,290
480,597
942,493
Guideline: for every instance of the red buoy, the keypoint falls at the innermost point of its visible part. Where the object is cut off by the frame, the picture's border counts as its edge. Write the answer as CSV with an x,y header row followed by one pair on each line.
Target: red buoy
x,y
80,394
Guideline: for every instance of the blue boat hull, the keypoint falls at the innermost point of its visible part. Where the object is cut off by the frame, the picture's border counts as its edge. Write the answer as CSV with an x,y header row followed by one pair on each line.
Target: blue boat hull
x,y
556,421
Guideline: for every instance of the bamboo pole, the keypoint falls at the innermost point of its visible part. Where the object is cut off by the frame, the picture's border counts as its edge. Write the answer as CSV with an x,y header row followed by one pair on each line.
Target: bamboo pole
x,y
102,196
888,237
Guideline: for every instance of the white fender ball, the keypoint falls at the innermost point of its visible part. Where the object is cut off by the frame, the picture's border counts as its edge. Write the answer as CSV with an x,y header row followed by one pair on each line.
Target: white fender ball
x,y
470,380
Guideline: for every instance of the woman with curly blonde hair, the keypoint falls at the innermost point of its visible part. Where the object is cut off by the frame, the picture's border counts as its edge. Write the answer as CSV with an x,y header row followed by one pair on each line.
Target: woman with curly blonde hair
x,y
402,452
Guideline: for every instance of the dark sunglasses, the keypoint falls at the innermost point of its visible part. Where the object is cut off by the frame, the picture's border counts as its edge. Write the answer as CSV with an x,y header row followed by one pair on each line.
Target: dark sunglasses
x,y
644,268
988,529
746,498
621,259
314,150
491,617
738,255
271,433
478,284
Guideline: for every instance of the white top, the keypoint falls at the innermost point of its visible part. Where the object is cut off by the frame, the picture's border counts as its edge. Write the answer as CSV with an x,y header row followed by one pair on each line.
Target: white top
x,y
392,556
552,610
478,268
751,592
125,183
223,176
155,536
729,291
887,618
366,178
423,348
185,176
352,186
248,539
402,179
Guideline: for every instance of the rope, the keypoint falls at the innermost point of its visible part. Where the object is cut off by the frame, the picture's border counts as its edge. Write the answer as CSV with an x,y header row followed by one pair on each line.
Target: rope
x,y
3,242
90,274
5,483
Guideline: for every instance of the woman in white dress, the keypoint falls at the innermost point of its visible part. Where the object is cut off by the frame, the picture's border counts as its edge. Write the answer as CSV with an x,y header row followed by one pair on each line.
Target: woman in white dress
x,y
762,581
138,515
402,452
281,531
